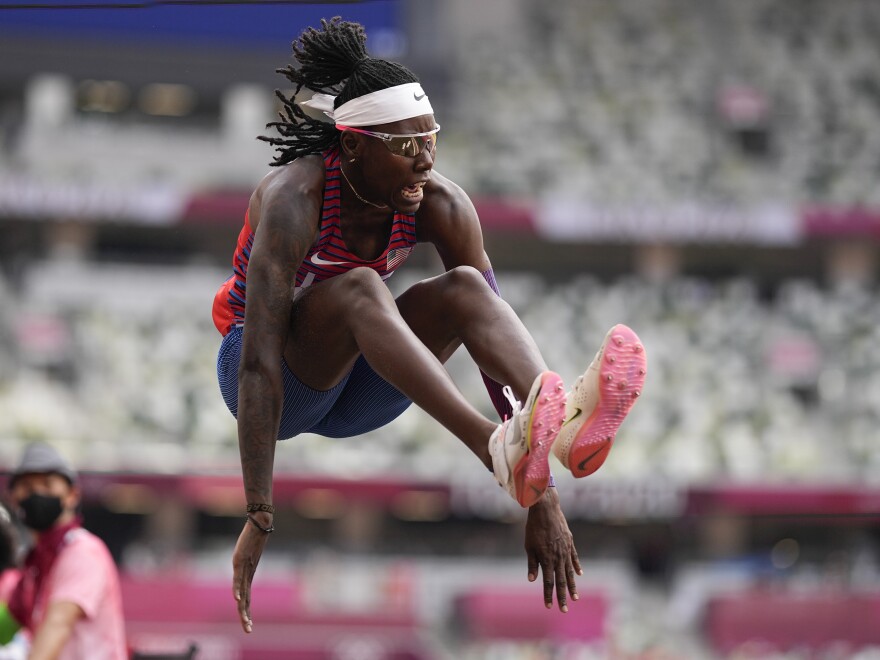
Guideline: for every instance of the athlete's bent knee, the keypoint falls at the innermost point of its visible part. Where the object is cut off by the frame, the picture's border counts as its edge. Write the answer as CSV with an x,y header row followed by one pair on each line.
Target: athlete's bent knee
x,y
364,285
362,279
462,279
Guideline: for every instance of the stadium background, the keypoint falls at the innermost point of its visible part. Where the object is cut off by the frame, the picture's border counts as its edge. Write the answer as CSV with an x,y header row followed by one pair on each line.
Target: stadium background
x,y
705,172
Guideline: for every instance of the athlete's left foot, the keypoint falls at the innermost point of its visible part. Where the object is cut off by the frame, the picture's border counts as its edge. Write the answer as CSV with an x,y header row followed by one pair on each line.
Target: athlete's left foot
x,y
600,401
520,446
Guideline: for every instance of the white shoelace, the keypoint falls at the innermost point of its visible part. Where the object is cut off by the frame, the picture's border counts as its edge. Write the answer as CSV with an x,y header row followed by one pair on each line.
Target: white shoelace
x,y
514,404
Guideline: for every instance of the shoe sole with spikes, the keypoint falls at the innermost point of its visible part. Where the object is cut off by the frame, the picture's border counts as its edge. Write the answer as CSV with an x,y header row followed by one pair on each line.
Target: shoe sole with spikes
x,y
545,407
600,401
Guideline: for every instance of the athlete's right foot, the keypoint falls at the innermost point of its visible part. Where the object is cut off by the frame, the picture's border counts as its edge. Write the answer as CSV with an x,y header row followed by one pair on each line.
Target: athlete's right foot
x,y
600,400
520,446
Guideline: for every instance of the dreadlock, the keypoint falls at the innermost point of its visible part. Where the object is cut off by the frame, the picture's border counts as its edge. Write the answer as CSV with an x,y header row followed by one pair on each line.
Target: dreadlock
x,y
332,60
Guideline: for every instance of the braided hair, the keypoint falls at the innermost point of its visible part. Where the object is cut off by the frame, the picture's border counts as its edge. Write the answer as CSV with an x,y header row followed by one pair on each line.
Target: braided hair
x,y
332,60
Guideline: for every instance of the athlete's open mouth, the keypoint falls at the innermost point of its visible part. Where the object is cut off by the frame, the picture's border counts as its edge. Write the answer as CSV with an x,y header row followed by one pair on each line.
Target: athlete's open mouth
x,y
413,192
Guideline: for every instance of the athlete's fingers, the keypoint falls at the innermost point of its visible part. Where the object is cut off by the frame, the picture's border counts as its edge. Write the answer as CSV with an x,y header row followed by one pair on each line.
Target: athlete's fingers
x,y
547,572
245,558
575,560
241,591
561,587
533,567
569,578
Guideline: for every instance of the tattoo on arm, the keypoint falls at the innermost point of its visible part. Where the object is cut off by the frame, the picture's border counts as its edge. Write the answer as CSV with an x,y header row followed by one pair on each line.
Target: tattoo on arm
x,y
280,244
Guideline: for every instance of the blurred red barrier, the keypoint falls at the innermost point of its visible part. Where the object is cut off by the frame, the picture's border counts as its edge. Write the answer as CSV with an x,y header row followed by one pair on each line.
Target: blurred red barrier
x,y
494,613
167,613
788,620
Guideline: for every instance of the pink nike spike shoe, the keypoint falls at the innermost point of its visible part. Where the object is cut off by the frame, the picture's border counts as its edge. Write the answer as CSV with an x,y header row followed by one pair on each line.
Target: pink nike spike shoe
x,y
520,447
600,400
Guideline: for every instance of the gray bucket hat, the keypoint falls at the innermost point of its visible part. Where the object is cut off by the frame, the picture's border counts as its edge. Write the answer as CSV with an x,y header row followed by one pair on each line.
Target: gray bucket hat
x,y
40,458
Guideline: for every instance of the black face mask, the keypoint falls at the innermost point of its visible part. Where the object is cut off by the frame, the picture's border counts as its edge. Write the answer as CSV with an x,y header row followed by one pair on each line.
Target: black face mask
x,y
40,511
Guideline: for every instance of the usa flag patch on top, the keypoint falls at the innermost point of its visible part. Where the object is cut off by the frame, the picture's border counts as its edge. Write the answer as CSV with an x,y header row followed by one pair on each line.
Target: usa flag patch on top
x,y
396,257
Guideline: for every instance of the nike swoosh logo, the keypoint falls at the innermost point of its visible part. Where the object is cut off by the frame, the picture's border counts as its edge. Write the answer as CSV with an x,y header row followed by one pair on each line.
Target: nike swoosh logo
x,y
316,259
573,417
513,439
583,464
417,97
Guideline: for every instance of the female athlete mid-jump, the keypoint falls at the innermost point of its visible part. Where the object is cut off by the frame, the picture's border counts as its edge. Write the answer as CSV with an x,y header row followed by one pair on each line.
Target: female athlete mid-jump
x,y
314,342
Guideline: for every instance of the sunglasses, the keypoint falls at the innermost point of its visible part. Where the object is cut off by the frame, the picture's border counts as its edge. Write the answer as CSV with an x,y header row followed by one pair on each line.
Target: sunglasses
x,y
410,145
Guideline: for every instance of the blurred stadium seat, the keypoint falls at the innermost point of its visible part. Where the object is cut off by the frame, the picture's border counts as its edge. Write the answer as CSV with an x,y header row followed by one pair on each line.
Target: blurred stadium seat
x,y
740,387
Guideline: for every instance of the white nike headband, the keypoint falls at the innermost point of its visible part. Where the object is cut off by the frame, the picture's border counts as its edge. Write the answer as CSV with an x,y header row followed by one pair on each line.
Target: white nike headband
x,y
381,107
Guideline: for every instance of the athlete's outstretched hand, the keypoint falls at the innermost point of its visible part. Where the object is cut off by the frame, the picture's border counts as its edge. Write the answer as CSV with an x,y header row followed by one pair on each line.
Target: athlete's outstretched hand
x,y
248,551
549,544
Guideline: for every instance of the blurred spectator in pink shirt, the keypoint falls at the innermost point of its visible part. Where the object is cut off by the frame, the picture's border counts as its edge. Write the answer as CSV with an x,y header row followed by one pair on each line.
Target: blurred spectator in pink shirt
x,y
68,596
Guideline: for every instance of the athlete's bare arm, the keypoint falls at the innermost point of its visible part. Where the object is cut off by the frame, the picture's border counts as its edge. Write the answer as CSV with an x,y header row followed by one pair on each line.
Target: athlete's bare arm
x,y
284,213
448,219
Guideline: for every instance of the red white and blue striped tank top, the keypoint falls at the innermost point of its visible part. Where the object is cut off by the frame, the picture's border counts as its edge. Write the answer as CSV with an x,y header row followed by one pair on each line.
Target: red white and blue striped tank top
x,y
327,257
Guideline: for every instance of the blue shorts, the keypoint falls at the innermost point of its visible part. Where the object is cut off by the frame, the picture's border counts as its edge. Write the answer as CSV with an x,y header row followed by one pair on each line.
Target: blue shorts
x,y
362,402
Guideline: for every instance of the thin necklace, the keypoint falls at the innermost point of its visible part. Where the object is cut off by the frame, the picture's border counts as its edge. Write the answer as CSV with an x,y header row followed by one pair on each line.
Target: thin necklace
x,y
365,201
